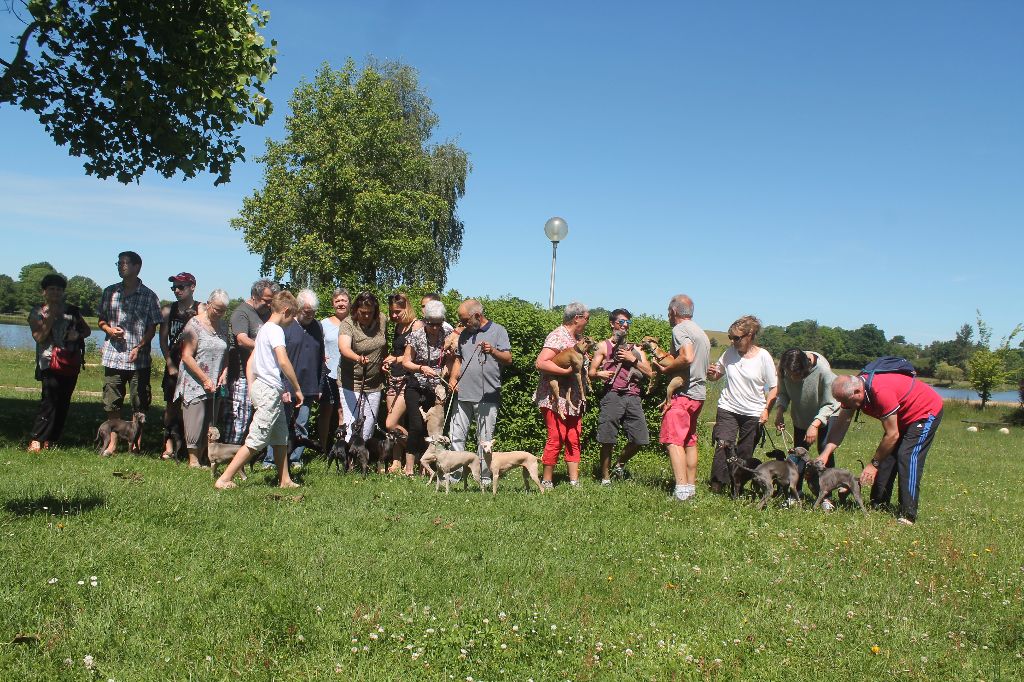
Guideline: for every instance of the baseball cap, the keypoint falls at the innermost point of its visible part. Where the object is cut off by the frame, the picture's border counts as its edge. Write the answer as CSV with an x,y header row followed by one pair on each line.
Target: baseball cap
x,y
185,277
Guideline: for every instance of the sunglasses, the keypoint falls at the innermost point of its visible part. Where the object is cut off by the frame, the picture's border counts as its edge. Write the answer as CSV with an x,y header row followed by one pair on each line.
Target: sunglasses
x,y
432,324
623,321
736,338
178,287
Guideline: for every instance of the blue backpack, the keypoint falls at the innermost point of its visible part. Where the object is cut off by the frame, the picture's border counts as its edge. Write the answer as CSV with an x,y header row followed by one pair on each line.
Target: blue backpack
x,y
887,364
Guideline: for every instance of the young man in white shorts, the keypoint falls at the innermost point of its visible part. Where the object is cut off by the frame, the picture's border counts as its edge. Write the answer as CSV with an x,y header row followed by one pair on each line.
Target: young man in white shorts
x,y
267,364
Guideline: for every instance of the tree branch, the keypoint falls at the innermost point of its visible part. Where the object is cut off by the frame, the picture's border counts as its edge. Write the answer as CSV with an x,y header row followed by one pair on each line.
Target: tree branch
x,y
12,68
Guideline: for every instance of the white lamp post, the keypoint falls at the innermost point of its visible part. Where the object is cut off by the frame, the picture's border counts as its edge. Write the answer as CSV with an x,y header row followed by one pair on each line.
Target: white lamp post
x,y
556,230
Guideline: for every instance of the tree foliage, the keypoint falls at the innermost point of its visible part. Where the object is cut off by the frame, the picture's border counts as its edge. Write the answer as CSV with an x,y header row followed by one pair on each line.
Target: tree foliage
x,y
138,85
85,293
8,294
948,373
29,278
356,193
988,368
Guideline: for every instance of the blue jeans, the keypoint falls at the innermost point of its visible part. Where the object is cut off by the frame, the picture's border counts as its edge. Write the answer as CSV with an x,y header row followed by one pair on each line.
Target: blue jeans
x,y
300,430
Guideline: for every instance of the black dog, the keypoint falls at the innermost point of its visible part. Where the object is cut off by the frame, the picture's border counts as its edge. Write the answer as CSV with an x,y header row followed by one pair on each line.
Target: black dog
x,y
358,453
339,451
737,474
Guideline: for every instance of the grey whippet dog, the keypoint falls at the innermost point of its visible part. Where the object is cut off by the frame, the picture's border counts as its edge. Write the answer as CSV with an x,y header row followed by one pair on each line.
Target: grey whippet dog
x,y
766,475
830,479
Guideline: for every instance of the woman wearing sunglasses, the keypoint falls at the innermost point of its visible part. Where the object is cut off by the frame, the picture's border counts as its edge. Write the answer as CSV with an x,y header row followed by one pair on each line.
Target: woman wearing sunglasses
x,y
750,388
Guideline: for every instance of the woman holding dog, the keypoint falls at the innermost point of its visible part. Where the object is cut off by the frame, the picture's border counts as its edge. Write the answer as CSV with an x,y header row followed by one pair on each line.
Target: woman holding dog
x,y
363,347
403,317
204,346
59,332
424,359
561,416
750,388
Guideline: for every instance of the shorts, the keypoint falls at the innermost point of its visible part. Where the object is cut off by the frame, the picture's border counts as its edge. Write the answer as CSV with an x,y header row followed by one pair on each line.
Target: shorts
x,y
621,410
679,425
329,392
396,385
269,425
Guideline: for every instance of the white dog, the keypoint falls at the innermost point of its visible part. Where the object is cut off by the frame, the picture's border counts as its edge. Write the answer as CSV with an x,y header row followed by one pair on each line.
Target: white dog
x,y
448,461
501,462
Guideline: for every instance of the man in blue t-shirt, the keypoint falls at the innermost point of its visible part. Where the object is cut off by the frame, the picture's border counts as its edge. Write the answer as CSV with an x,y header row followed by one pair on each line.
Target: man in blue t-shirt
x,y
482,350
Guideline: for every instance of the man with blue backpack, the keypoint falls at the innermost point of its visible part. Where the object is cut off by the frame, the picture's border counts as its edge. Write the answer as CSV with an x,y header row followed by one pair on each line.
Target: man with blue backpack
x,y
910,411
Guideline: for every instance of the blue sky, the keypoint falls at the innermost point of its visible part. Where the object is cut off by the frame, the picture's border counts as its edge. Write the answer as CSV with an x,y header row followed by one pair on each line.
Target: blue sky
x,y
850,163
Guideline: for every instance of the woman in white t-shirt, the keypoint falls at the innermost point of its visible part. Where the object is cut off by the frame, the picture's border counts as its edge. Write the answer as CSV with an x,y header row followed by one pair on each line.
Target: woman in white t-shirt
x,y
751,385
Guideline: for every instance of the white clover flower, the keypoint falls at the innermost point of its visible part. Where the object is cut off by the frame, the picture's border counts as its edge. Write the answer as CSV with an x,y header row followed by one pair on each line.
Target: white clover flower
x,y
374,635
89,662
628,652
52,581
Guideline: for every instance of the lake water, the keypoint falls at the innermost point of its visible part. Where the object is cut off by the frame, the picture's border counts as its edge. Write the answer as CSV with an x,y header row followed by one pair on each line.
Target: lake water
x,y
20,336
968,394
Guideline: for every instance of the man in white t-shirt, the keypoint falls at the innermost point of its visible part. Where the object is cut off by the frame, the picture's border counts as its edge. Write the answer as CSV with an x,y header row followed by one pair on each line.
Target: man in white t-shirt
x,y
268,362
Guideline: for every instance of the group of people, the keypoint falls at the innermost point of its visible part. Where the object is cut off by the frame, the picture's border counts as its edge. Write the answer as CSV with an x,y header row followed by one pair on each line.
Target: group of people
x,y
260,375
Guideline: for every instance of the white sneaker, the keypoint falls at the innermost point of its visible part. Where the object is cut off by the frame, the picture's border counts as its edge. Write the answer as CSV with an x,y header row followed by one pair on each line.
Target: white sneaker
x,y
682,495
827,505
575,484
905,521
547,485
606,481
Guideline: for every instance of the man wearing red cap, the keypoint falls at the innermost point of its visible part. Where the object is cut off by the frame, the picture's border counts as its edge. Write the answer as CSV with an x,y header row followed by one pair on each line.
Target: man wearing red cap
x,y
175,318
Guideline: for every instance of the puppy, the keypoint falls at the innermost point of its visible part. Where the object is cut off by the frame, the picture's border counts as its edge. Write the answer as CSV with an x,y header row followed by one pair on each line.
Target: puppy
x,y
339,451
394,446
221,453
766,475
737,475
831,479
501,462
447,461
676,378
358,453
107,433
574,357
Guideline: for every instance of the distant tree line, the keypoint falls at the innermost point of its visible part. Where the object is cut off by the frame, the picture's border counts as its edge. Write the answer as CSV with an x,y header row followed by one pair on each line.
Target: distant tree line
x,y
954,360
21,294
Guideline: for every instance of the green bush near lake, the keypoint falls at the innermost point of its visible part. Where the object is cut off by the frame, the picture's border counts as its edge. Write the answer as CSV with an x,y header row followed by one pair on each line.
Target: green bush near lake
x,y
142,567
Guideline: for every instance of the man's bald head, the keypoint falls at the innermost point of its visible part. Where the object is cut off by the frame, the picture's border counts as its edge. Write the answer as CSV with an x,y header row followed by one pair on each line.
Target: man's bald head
x,y
849,391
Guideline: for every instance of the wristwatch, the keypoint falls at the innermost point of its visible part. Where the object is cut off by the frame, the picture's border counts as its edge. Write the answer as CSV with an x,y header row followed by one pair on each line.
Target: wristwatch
x,y
875,463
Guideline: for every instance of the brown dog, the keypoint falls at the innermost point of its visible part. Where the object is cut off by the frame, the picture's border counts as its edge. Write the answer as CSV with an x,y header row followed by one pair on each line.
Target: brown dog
x,y
107,433
678,377
574,358
221,453
501,462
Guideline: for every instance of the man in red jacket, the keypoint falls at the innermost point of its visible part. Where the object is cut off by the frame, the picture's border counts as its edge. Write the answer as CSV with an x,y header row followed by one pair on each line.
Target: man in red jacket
x,y
910,412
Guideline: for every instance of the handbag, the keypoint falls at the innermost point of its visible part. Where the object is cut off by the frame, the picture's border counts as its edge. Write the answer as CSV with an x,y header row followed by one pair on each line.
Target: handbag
x,y
66,362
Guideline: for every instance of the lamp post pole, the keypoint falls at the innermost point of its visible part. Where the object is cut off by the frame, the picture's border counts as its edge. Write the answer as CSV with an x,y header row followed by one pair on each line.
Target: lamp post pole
x,y
556,230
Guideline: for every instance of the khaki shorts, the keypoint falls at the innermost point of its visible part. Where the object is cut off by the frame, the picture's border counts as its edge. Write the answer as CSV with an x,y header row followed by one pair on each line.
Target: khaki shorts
x,y
269,426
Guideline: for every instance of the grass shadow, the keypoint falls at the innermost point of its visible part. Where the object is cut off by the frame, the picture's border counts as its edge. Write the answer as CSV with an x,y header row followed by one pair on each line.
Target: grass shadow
x,y
48,503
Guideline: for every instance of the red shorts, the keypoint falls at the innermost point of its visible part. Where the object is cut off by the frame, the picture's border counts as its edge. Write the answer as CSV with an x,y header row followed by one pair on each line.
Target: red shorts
x,y
679,425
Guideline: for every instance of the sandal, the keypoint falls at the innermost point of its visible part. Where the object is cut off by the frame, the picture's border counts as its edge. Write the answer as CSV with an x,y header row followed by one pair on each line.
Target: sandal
x,y
35,446
167,455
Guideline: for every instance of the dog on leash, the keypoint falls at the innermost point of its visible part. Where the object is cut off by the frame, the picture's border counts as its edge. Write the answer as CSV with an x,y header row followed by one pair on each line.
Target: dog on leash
x,y
131,432
575,357
501,462
222,453
358,453
447,461
831,479
766,475
338,454
738,476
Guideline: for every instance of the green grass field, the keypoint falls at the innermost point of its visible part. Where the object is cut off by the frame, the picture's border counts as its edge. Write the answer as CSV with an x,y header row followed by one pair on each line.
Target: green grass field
x,y
140,569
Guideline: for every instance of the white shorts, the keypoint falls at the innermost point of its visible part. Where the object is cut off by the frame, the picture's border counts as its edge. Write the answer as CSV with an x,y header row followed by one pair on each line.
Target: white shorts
x,y
269,426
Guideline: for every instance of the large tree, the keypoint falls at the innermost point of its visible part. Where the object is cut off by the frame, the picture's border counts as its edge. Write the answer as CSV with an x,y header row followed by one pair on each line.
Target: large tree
x,y
357,192
987,369
133,85
85,293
